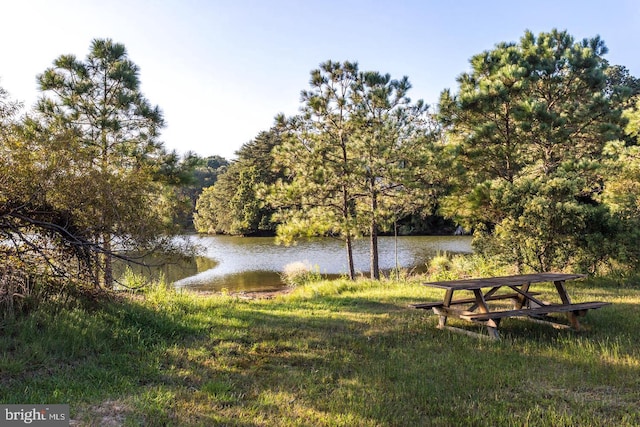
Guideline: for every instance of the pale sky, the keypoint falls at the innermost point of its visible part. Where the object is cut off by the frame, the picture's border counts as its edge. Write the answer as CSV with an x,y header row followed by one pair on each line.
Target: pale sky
x,y
222,70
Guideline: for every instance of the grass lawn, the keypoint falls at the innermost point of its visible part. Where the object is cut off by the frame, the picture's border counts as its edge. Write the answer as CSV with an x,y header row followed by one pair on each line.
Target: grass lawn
x,y
329,353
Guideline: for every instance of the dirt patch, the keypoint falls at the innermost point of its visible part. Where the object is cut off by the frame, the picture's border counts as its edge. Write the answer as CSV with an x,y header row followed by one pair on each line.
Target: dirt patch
x,y
110,413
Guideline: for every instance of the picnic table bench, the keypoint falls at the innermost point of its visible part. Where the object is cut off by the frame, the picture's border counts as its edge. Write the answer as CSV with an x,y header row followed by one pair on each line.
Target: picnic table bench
x,y
525,303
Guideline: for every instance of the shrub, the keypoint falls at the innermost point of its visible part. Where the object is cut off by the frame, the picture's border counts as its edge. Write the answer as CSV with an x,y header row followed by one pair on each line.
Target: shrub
x,y
300,273
446,267
439,264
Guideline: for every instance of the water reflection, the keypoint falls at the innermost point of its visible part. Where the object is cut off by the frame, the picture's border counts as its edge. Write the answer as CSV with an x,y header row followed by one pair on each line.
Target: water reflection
x,y
170,267
250,264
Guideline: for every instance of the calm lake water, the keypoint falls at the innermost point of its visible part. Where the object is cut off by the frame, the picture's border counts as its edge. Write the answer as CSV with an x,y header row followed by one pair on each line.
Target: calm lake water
x,y
255,263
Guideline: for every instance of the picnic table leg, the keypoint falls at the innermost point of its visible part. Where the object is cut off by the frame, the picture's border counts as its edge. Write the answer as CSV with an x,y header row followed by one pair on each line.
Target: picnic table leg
x,y
521,299
442,320
492,324
484,298
564,297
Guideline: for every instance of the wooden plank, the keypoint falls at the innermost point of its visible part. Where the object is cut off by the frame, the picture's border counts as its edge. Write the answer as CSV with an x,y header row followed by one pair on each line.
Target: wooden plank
x,y
551,308
480,301
515,280
453,312
564,297
448,296
562,291
491,324
493,331
479,296
429,305
526,296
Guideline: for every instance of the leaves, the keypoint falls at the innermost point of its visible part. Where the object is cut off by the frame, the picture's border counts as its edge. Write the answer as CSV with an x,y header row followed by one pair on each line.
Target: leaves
x,y
353,157
530,122
99,135
233,204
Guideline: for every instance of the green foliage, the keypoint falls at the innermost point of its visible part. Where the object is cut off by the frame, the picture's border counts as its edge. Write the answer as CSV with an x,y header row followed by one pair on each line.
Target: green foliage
x,y
439,264
23,289
632,114
39,241
84,178
204,218
529,125
453,267
355,158
621,192
546,224
138,282
201,173
232,205
94,118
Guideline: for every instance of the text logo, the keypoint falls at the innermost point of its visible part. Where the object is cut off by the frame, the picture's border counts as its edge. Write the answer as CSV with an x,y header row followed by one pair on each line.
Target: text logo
x,y
34,415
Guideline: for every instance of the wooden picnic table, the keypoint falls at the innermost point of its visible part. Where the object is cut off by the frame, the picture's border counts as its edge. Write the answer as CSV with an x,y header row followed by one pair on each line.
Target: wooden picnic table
x,y
525,302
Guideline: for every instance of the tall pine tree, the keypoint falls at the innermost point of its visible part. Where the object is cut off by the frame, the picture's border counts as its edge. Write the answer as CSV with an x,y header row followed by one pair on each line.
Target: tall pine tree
x,y
529,122
111,132
351,157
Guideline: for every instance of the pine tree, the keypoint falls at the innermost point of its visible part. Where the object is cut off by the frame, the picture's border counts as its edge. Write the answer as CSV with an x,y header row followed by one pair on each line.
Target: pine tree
x,y
351,155
114,141
529,122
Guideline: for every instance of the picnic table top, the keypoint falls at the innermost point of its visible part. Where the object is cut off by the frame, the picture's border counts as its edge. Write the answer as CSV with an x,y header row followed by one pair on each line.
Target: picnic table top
x,y
516,280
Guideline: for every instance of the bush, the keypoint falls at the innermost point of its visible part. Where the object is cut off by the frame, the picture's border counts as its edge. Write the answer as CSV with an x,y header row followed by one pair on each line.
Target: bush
x,y
446,267
300,273
439,264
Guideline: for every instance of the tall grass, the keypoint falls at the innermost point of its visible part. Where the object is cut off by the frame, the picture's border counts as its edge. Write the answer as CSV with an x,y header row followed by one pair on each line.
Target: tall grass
x,y
337,353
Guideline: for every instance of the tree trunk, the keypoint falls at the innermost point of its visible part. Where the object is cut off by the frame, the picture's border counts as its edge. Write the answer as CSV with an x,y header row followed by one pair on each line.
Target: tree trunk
x,y
349,246
395,247
373,233
107,262
346,212
375,268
